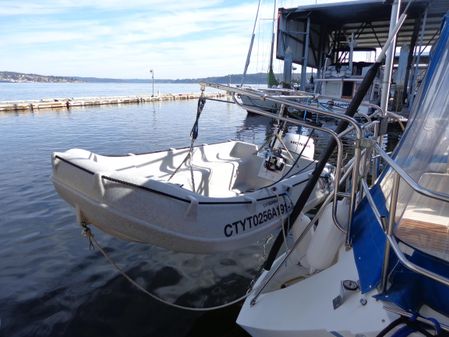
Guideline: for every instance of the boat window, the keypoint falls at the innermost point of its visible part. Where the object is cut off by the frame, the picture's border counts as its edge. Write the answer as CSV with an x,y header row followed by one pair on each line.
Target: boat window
x,y
424,223
423,153
348,89
332,89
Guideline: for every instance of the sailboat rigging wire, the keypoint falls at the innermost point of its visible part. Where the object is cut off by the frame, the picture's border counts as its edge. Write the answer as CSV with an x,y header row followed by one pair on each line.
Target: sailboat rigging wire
x,y
220,100
273,35
248,56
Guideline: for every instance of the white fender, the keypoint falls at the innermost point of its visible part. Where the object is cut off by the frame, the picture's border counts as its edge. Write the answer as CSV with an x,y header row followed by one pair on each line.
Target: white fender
x,y
298,227
327,238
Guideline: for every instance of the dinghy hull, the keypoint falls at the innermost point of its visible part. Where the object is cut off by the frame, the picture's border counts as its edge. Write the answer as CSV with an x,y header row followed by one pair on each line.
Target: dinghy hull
x,y
135,207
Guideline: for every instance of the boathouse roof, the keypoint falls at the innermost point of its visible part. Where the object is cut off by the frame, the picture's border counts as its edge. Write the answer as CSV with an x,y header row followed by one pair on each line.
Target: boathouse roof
x,y
368,20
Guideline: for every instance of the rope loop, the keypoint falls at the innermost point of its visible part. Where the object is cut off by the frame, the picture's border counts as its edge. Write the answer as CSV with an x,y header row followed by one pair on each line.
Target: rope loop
x,y
93,243
86,232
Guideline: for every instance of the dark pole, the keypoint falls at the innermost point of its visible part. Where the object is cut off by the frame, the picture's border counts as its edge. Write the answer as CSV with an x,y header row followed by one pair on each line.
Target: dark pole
x,y
350,111
299,206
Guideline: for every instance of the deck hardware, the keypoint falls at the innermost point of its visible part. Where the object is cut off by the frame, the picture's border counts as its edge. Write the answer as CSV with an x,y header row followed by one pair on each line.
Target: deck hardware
x,y
347,287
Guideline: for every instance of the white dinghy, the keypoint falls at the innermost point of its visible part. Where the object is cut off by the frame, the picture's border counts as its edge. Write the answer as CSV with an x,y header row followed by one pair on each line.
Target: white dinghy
x,y
200,199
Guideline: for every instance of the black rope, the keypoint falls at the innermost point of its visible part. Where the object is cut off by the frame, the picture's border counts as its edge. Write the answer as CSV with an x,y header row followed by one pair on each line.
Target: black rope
x,y
201,103
410,325
193,136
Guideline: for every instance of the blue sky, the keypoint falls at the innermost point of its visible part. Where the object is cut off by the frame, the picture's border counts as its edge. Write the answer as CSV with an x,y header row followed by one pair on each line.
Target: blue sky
x,y
127,38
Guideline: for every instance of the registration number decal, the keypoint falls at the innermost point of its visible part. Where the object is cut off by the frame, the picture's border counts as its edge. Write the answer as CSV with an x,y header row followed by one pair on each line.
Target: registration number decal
x,y
242,225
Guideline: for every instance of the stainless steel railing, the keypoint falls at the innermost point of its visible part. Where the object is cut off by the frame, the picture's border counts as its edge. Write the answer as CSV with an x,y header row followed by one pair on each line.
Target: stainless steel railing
x,y
354,126
342,173
362,145
387,224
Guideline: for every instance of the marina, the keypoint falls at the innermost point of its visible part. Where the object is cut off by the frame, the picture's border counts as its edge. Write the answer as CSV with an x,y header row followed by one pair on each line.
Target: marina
x,y
61,103
65,292
296,209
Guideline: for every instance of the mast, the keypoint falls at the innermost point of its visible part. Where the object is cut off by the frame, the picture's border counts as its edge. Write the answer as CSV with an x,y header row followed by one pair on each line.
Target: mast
x,y
271,78
248,56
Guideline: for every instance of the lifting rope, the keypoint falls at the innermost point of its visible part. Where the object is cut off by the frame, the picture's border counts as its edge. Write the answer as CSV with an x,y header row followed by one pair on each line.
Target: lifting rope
x,y
199,110
193,137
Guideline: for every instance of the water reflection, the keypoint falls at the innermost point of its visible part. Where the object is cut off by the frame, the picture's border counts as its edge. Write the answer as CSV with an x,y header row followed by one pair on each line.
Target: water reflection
x,y
52,284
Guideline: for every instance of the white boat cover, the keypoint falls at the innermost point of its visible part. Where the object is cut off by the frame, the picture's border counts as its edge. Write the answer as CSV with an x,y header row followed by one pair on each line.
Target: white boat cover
x,y
145,198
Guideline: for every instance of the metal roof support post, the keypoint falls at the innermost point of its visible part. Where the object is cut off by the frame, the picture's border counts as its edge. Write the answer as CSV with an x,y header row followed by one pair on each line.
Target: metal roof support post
x,y
283,43
351,52
320,69
390,57
288,66
411,59
416,68
305,58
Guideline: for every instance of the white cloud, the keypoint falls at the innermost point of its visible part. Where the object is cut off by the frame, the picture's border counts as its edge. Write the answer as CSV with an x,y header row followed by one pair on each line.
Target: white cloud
x,y
20,8
36,7
116,38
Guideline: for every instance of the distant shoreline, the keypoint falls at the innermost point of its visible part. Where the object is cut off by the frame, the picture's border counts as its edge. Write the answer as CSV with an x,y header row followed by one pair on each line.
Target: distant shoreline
x,y
14,77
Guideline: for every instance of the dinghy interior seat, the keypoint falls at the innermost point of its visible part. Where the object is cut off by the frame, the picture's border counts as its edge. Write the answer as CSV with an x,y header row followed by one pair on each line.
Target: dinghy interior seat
x,y
215,167
222,166
222,170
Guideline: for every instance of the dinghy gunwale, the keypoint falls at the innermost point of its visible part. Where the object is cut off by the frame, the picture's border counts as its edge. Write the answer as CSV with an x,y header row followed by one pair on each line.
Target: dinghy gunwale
x,y
175,191
113,155
203,200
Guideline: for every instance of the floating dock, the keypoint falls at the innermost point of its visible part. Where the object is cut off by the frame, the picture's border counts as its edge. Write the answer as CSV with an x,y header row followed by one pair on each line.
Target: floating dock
x,y
60,103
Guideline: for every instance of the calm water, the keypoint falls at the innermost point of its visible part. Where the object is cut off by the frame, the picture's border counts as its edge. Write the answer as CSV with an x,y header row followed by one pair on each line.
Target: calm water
x,y
27,91
51,284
